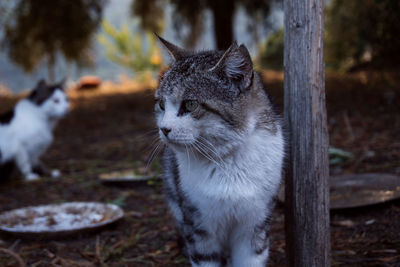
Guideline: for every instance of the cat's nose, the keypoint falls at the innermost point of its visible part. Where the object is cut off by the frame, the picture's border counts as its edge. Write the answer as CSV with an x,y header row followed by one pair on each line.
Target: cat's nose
x,y
165,131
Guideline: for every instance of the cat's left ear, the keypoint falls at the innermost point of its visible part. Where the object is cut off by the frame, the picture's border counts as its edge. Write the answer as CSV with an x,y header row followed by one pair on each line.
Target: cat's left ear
x,y
41,84
38,91
62,83
236,64
175,51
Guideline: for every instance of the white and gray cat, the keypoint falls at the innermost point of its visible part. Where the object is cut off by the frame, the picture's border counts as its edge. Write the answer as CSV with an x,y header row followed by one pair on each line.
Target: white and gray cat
x,y
223,159
26,131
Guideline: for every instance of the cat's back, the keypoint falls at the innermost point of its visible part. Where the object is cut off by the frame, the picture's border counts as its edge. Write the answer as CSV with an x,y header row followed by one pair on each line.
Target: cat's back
x,y
26,126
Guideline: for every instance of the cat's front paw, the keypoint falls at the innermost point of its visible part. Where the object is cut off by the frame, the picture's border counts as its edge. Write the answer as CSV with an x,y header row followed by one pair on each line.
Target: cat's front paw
x,y
32,177
55,173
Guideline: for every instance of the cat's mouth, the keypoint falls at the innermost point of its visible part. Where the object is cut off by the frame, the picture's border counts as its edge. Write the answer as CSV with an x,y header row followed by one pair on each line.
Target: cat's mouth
x,y
177,139
178,142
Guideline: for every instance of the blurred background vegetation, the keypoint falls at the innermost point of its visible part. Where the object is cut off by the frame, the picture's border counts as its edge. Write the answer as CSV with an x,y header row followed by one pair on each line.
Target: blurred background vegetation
x,y
72,38
110,127
359,35
135,50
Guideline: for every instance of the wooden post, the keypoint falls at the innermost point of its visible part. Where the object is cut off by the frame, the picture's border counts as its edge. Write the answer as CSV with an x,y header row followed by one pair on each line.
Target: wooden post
x,y
307,189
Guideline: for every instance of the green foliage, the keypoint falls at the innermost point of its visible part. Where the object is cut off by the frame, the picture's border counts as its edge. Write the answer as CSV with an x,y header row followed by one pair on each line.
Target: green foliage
x,y
120,202
136,51
358,34
271,52
338,156
361,33
36,30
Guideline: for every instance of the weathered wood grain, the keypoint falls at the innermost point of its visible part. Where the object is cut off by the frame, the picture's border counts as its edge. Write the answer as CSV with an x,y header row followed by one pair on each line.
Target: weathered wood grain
x,y
307,191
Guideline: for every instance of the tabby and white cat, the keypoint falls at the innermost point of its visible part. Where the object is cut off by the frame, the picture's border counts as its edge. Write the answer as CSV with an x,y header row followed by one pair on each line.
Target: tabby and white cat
x,y
26,131
223,158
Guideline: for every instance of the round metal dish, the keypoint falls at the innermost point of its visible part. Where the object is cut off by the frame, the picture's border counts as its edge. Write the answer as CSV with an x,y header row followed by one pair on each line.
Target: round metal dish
x,y
359,190
59,219
125,177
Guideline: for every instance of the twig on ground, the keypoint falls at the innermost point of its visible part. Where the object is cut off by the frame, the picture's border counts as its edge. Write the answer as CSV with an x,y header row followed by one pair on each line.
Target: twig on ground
x,y
348,126
38,263
98,252
15,244
20,261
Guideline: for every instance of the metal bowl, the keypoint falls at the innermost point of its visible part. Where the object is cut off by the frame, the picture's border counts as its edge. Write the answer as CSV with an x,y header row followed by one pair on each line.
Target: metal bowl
x,y
126,178
359,190
59,219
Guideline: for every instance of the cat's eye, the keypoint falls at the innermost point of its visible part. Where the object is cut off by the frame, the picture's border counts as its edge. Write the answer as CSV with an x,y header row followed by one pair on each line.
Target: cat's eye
x,y
190,105
161,104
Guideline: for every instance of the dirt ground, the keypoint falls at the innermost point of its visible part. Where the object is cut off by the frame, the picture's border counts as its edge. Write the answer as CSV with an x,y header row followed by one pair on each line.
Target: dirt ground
x,y
111,132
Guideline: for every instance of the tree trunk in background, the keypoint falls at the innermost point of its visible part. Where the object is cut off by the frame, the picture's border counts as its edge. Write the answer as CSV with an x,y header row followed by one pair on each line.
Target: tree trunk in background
x,y
50,67
195,32
307,189
223,12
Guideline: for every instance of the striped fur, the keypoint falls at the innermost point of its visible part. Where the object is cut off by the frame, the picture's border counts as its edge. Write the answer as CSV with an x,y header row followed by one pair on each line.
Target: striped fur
x,y
222,162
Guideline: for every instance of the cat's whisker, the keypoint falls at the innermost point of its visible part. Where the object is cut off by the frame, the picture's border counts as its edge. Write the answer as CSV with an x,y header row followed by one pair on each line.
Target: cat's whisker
x,y
187,153
148,139
206,148
149,144
155,140
211,147
149,134
194,154
159,150
153,154
218,164
204,153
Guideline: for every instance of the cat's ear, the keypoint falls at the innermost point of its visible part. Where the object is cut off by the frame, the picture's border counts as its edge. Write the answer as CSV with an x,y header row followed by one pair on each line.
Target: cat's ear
x,y
62,83
236,64
37,91
175,51
41,84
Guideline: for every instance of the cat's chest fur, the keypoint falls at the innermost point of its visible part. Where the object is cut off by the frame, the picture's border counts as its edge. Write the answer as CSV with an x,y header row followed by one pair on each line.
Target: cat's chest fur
x,y
249,176
37,137
29,129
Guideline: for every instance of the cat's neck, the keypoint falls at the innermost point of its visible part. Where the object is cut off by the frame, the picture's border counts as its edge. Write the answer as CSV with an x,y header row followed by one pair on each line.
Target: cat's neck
x,y
246,167
35,112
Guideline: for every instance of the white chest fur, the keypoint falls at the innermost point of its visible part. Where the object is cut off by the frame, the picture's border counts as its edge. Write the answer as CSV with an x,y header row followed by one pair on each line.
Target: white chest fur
x,y
239,187
29,130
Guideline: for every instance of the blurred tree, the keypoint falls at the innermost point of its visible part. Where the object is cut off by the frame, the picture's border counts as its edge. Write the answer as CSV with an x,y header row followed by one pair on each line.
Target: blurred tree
x,y
153,21
363,34
271,51
192,12
138,52
5,8
42,29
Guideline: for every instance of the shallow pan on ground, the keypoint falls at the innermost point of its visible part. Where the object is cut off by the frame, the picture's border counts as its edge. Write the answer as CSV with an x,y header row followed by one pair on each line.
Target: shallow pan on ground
x,y
126,177
359,190
58,220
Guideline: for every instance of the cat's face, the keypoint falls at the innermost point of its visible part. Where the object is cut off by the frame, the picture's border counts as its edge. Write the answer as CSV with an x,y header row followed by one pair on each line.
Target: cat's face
x,y
204,104
51,99
57,105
